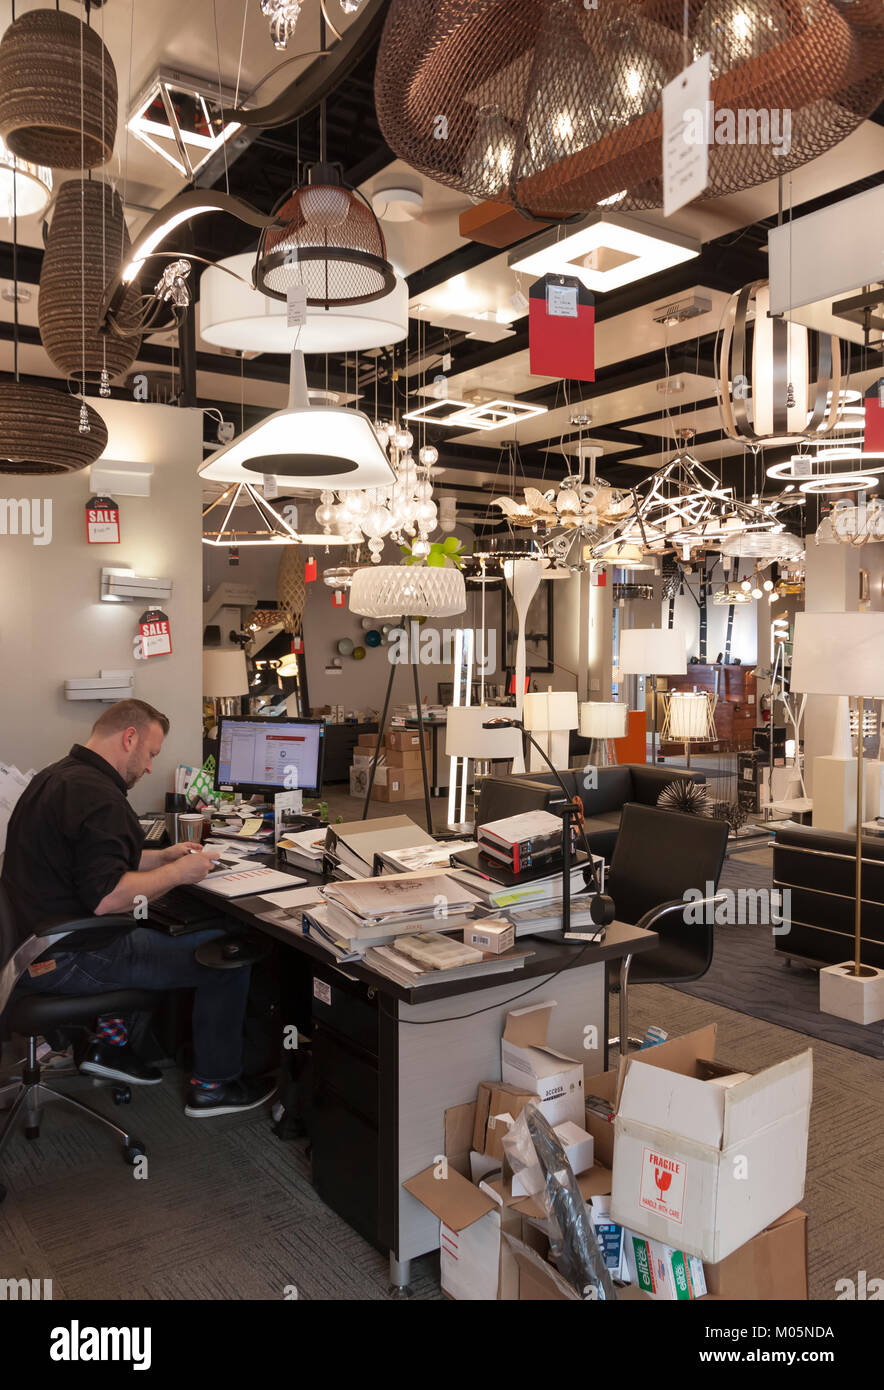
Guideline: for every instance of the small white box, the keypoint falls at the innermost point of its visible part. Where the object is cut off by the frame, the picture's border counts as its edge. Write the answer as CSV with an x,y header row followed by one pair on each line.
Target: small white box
x,y
578,1146
661,1272
490,935
556,1078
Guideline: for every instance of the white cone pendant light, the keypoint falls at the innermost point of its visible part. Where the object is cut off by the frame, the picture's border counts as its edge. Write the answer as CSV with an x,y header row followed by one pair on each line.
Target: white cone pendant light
x,y
523,580
309,446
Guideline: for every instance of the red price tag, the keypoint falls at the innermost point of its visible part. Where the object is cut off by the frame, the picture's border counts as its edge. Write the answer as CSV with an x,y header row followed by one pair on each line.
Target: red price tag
x,y
338,598
102,521
156,634
309,570
298,646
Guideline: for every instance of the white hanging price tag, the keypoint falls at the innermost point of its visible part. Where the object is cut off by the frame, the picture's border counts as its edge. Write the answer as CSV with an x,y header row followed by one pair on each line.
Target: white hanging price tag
x,y
686,119
296,305
561,300
156,633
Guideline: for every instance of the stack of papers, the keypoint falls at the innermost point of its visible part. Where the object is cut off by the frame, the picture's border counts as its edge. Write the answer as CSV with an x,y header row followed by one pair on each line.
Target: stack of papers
x,y
304,848
354,844
381,908
427,958
12,784
416,857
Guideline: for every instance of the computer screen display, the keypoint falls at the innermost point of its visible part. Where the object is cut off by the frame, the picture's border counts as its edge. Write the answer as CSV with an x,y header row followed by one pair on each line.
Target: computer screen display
x,y
273,755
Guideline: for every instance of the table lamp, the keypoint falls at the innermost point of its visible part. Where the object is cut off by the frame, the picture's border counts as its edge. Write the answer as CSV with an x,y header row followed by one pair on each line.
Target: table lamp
x,y
465,739
602,721
652,651
225,678
843,654
550,715
689,719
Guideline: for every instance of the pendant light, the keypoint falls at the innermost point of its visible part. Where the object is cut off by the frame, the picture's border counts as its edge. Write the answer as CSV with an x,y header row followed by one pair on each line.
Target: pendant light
x,y
318,446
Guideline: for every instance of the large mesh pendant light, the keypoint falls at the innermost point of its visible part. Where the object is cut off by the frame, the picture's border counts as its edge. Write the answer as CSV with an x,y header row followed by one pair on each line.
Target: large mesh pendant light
x,y
44,116
554,106
40,431
85,243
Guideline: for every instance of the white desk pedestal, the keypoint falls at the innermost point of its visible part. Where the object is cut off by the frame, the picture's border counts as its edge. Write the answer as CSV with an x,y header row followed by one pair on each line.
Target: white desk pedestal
x,y
834,792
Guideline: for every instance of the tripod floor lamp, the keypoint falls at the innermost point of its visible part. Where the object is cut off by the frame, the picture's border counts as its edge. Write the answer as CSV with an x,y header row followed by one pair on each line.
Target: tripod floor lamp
x,y
652,651
843,654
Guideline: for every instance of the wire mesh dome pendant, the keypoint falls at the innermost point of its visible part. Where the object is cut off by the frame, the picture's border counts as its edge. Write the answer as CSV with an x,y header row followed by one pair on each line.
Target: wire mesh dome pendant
x,y
39,431
44,115
85,243
554,106
331,243
291,588
410,591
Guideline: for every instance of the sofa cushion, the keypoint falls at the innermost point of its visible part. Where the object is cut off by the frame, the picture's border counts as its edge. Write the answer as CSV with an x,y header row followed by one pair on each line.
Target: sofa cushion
x,y
648,781
613,789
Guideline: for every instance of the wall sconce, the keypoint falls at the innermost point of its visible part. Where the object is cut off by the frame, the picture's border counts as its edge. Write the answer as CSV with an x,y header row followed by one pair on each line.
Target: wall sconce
x,y
125,586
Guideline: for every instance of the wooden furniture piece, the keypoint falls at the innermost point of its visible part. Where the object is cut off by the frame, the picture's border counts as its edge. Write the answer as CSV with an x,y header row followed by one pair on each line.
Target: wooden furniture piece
x,y
737,709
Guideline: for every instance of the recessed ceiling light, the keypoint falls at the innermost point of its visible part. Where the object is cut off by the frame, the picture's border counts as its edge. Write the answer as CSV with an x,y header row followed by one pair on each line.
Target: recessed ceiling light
x,y
605,250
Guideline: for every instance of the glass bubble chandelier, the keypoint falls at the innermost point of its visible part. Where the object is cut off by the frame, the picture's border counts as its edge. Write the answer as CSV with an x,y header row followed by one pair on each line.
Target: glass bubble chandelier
x,y
404,511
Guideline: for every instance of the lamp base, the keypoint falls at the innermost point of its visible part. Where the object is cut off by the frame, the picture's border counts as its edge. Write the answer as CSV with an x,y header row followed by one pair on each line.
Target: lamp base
x,y
859,998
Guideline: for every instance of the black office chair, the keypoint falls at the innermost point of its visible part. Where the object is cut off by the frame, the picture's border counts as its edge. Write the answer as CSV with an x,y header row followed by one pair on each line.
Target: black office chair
x,y
31,1015
658,857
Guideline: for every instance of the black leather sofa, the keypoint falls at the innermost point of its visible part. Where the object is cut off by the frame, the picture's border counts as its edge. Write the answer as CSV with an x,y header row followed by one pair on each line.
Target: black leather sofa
x,y
818,867
615,785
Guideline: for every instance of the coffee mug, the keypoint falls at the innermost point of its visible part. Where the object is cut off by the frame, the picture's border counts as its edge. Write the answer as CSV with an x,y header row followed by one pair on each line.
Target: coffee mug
x,y
190,827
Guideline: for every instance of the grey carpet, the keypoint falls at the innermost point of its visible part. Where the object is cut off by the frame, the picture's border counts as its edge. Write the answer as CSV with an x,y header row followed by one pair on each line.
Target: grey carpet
x,y
749,975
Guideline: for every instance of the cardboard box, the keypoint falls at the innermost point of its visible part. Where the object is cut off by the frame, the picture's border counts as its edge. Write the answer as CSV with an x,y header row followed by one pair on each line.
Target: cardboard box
x,y
609,1237
578,1151
368,741
396,784
404,740
491,935
358,781
525,1058
493,1100
409,758
773,1265
661,1272
702,1168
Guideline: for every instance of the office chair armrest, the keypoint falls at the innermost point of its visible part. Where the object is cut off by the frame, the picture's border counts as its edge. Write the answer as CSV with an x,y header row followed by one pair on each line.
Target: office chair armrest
x,y
66,924
677,905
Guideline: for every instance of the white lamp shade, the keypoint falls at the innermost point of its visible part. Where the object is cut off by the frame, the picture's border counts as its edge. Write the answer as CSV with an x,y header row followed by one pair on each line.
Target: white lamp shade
x,y
604,719
838,654
237,316
688,716
225,674
547,711
465,737
407,591
652,651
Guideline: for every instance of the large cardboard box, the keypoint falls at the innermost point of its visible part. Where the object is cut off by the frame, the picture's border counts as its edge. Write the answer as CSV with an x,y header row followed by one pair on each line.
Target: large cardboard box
x,y
405,740
493,1100
705,1168
396,784
773,1265
368,741
526,1060
409,758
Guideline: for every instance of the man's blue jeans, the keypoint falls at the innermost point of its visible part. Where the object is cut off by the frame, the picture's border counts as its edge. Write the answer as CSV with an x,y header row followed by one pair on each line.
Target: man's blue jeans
x,y
146,959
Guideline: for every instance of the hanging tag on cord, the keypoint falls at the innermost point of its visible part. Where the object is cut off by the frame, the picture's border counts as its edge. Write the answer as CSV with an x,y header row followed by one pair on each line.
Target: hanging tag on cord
x,y
102,521
310,570
687,121
156,633
296,306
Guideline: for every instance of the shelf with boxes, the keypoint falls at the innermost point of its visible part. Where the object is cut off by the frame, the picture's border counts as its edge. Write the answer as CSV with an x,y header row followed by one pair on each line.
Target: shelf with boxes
x,y
398,774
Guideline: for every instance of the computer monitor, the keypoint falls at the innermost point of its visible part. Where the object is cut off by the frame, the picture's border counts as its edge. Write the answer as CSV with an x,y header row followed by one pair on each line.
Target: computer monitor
x,y
257,754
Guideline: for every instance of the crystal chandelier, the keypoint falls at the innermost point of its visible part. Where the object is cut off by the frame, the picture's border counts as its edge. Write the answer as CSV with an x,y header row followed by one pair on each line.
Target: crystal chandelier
x,y
405,510
283,16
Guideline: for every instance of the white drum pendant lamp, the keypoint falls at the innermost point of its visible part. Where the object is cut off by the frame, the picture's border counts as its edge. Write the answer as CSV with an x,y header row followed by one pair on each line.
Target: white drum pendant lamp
x,y
235,315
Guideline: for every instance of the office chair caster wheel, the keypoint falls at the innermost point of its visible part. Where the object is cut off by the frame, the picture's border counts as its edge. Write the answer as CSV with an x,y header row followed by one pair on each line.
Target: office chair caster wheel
x,y
133,1152
122,1095
32,1131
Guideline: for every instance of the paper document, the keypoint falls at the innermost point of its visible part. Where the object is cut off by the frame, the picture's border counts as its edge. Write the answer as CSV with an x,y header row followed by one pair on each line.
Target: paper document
x,y
239,883
299,897
401,895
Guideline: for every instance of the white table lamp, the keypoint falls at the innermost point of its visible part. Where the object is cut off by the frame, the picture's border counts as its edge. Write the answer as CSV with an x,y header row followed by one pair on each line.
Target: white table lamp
x,y
465,738
602,721
689,719
550,715
843,654
652,651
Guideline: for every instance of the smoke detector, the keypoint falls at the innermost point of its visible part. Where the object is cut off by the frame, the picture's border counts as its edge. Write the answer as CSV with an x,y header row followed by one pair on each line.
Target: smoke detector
x,y
681,310
397,203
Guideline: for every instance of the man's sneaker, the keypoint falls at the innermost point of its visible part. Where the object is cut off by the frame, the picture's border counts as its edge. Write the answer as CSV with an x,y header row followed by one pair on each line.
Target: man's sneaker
x,y
118,1064
229,1098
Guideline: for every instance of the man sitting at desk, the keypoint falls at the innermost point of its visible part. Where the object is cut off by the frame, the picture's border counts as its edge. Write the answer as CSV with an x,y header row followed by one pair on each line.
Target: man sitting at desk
x,y
74,849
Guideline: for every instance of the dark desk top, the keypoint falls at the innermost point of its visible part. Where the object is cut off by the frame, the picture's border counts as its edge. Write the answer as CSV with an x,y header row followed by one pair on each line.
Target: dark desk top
x,y
551,954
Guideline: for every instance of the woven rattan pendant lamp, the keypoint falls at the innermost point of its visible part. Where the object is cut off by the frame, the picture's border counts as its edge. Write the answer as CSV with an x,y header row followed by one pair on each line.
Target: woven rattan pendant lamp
x,y
44,117
39,431
291,588
554,106
86,241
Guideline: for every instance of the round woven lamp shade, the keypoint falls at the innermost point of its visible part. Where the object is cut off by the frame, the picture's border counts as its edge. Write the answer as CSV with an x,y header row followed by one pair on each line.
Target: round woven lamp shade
x,y
411,591
331,243
40,92
291,588
39,431
86,241
556,106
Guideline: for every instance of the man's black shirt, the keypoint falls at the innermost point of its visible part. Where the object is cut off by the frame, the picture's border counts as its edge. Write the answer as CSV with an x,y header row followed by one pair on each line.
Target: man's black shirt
x,y
71,837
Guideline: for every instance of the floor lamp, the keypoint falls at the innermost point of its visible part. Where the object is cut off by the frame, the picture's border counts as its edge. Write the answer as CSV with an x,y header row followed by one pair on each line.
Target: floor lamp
x,y
843,654
466,739
652,651
415,591
523,579
603,721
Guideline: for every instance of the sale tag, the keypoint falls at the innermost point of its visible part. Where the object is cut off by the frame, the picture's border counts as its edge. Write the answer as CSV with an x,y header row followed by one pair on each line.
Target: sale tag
x,y
310,570
156,633
561,300
686,120
338,598
662,1185
102,521
296,305
298,646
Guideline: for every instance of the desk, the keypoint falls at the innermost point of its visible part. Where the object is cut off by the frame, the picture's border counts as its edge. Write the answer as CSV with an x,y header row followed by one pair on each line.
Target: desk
x,y
388,1061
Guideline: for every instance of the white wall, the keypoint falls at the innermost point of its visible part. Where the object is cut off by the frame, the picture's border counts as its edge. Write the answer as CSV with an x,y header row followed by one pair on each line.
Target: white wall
x,y
52,625
744,641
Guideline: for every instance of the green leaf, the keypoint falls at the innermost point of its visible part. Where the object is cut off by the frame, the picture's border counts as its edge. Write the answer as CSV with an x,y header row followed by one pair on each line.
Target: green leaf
x,y
436,560
451,545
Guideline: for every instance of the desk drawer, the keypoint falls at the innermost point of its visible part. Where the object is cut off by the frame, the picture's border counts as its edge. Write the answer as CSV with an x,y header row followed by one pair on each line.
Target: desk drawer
x,y
343,1005
343,1071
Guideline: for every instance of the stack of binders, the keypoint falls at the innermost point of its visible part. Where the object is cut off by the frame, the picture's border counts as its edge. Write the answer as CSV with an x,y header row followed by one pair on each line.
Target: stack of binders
x,y
529,841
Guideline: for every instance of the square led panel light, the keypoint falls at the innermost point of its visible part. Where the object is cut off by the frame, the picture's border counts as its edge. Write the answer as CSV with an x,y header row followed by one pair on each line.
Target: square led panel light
x,y
182,119
606,250
491,415
446,411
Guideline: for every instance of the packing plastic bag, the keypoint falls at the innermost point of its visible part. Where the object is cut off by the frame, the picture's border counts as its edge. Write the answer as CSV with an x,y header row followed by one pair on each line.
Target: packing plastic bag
x,y
532,1144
